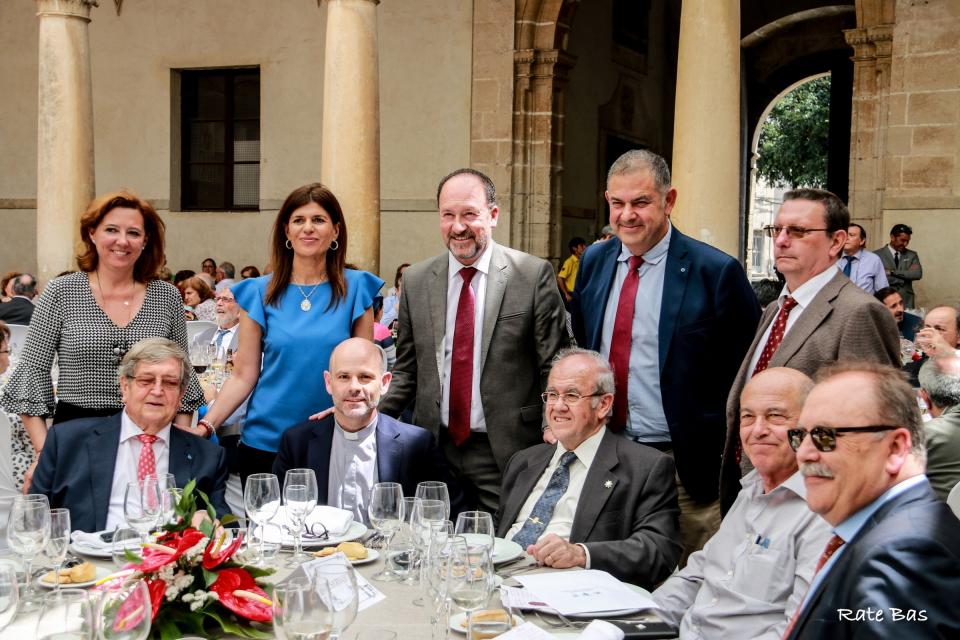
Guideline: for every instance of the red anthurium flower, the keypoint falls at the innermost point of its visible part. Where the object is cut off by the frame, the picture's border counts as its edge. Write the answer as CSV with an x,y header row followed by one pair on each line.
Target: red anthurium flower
x,y
239,593
158,556
132,610
213,558
157,588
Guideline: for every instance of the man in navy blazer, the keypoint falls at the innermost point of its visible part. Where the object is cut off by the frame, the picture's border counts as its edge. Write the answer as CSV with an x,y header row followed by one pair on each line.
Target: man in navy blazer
x,y
679,344
892,567
86,464
356,446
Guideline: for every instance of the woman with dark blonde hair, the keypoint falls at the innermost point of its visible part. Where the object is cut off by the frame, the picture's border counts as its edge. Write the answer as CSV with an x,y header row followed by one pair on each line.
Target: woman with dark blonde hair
x,y
90,318
293,318
198,295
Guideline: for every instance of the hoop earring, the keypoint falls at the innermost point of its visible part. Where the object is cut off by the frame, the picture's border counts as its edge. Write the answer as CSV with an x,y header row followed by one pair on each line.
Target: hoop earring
x,y
288,244
334,245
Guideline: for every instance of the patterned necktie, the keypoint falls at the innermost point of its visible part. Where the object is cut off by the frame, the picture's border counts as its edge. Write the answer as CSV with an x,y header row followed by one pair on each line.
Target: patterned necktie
x,y
833,544
219,337
776,335
847,267
461,362
620,343
539,518
896,259
147,464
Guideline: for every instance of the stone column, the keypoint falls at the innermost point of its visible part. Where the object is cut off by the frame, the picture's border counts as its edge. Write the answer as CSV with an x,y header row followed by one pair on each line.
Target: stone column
x,y
351,124
706,129
65,173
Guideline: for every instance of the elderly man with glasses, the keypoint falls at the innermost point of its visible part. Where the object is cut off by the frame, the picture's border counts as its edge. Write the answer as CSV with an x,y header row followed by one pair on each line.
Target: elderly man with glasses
x,y
820,315
891,569
593,499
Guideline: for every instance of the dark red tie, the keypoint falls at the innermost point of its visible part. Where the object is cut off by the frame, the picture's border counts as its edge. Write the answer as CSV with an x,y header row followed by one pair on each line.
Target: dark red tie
x,y
776,335
620,343
833,544
461,363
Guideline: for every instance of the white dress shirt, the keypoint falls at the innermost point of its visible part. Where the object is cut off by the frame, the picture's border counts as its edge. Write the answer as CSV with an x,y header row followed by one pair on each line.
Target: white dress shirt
x,y
353,469
227,341
646,421
454,286
804,295
125,471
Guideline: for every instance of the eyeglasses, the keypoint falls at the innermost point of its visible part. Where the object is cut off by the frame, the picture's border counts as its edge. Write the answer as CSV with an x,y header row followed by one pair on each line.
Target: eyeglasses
x,y
570,397
224,299
796,233
825,438
147,382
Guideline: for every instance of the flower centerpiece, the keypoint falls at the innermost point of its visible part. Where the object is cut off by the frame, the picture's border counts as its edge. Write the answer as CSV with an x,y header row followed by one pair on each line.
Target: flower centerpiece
x,y
197,585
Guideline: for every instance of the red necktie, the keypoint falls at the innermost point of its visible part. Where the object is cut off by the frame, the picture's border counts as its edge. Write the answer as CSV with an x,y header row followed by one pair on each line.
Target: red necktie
x,y
833,544
776,335
461,363
621,341
147,465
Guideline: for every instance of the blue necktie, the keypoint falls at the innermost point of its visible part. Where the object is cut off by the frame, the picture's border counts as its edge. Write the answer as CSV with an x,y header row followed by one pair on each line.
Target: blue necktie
x,y
847,267
220,334
539,518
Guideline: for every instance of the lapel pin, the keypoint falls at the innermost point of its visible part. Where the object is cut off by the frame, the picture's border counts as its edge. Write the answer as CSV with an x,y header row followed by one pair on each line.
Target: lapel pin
x,y
683,269
608,484
189,456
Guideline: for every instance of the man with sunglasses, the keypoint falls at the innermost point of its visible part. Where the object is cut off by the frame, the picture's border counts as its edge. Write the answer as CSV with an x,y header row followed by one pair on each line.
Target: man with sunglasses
x,y
892,567
820,315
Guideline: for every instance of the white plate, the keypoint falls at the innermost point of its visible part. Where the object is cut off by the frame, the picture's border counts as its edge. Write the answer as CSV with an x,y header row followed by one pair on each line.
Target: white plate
x,y
617,613
101,573
90,552
503,550
458,622
372,554
355,531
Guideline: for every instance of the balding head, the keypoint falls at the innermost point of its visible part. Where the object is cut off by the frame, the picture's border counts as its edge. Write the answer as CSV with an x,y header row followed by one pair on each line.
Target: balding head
x,y
356,380
940,383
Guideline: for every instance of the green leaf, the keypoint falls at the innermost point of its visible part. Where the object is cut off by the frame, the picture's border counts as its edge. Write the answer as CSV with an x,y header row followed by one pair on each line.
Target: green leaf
x,y
131,556
230,626
206,528
228,519
209,577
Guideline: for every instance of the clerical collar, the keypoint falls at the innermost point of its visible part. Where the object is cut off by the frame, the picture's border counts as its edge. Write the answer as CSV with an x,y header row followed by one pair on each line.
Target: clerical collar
x,y
362,434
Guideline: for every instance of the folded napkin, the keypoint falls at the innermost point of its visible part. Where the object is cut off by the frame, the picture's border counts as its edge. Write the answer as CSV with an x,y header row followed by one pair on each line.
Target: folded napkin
x,y
90,540
336,521
601,630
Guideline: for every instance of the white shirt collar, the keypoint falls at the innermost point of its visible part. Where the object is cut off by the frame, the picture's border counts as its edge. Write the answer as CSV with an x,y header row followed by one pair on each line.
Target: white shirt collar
x,y
129,429
587,450
482,263
656,253
362,434
806,292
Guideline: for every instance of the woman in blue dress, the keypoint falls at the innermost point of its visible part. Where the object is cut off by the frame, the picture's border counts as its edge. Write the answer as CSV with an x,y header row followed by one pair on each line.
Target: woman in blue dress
x,y
293,319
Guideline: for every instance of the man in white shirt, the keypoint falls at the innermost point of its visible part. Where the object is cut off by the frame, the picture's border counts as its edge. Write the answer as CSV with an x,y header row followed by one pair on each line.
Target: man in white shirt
x,y
762,559
86,464
594,499
356,447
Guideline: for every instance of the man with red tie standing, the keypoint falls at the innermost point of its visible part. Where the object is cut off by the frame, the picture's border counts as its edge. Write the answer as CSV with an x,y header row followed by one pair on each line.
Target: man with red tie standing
x,y
820,316
477,329
674,316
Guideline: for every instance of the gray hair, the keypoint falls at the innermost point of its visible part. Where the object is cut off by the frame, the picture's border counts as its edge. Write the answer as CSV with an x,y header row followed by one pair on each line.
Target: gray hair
x,y
228,269
640,160
25,285
940,378
605,383
151,351
383,358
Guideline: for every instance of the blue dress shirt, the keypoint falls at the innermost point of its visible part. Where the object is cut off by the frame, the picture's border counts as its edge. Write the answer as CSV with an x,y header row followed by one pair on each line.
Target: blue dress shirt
x,y
866,271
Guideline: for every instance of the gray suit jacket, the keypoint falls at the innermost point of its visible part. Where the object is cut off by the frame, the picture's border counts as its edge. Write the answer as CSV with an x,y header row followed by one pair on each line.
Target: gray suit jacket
x,y
626,515
943,451
842,323
523,328
901,278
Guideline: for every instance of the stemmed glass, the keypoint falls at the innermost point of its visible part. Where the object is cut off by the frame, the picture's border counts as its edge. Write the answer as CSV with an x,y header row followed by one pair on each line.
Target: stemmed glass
x,y
59,541
432,490
65,614
125,540
261,499
143,506
469,577
300,498
169,496
124,612
27,533
434,579
341,583
386,515
424,514
9,600
477,528
301,610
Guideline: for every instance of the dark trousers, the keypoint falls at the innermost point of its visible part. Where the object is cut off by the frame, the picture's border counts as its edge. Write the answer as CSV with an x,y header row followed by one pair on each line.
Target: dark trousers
x,y
476,469
254,461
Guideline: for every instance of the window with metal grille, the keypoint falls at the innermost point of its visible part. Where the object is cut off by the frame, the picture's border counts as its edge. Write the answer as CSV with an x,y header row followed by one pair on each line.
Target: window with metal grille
x,y
220,139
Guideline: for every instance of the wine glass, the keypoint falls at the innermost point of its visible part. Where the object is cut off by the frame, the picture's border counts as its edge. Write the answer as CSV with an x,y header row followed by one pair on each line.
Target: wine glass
x,y
433,490
301,610
261,499
65,615
341,583
386,515
477,528
27,533
142,505
124,540
435,582
124,612
59,541
169,496
300,498
9,600
469,577
423,514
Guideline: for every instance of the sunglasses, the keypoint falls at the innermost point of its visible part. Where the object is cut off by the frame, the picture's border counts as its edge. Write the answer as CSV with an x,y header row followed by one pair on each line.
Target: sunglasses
x,y
825,438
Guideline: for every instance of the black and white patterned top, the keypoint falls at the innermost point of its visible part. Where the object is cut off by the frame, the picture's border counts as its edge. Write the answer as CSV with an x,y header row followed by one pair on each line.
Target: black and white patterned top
x,y
69,322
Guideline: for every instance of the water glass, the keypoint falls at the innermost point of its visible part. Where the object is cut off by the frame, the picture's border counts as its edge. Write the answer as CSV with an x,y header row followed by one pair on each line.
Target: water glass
x,y
469,577
169,496
477,528
386,515
9,596
433,490
300,498
261,499
124,612
125,540
65,615
301,610
142,505
59,541
341,582
401,555
27,533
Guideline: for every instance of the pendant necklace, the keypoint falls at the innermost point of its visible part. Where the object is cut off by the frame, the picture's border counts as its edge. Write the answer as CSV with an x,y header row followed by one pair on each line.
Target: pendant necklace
x,y
305,303
126,303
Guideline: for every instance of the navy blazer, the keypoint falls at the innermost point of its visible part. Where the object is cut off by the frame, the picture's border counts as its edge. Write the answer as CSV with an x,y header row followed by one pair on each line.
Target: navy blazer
x,y
17,311
78,459
906,557
405,453
708,315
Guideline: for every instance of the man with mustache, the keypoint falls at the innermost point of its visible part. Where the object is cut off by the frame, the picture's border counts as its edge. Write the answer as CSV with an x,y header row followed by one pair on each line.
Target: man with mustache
x,y
356,447
892,567
477,329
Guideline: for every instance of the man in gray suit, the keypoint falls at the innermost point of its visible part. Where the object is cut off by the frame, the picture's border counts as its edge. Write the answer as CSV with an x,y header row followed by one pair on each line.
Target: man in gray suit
x,y
820,316
901,265
940,390
477,328
593,500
